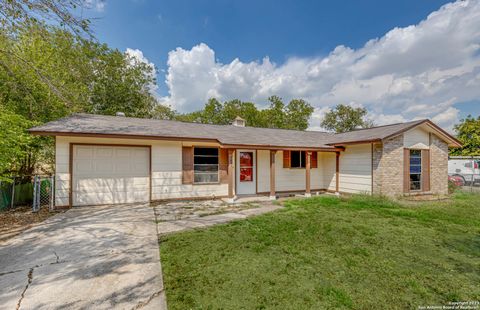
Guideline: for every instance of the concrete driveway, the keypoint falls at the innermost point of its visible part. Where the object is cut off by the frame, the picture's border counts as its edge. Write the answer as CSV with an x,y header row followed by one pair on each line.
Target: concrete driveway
x,y
100,257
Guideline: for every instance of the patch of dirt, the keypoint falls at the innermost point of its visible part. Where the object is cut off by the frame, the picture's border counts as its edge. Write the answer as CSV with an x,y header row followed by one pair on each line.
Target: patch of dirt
x,y
18,219
172,211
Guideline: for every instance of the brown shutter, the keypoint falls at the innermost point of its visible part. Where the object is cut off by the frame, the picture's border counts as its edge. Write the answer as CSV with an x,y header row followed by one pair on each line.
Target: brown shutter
x,y
313,160
223,165
406,170
286,159
187,165
425,170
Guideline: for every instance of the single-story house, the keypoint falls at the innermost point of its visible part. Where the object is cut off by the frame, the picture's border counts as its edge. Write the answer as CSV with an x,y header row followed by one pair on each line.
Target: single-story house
x,y
116,159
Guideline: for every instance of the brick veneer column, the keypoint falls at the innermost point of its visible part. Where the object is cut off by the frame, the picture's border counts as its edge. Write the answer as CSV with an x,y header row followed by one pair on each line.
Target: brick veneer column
x,y
389,170
438,166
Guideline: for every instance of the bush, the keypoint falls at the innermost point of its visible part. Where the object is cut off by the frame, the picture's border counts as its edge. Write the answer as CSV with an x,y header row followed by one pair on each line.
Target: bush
x,y
452,187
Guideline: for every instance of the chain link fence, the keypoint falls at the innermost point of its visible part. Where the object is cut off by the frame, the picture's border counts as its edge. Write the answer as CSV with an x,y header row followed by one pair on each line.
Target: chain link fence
x,y
464,172
36,191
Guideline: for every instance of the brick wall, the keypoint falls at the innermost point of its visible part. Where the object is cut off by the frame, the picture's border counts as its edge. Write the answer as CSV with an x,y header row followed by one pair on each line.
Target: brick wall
x,y
438,166
391,167
376,171
387,166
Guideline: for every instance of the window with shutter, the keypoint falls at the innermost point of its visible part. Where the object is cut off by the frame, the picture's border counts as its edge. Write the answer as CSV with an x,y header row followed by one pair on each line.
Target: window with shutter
x,y
205,165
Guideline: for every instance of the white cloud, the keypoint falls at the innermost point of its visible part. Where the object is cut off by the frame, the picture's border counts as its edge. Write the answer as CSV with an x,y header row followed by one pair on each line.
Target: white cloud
x,y
137,56
97,5
414,72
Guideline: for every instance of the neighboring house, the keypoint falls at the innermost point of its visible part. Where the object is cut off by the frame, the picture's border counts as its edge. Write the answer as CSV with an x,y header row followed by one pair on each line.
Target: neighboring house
x,y
115,159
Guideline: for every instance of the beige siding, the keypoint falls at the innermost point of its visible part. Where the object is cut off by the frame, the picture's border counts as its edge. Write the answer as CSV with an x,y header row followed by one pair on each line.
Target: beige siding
x,y
327,162
416,138
166,169
356,169
288,179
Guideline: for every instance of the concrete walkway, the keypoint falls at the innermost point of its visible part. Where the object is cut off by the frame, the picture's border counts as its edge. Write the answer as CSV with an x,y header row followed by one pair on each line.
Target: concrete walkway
x,y
167,227
86,258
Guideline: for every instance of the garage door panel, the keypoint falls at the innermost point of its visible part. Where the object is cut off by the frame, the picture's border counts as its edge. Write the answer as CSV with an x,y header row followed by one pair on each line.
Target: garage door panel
x,y
141,156
84,166
105,152
103,167
110,174
83,152
104,184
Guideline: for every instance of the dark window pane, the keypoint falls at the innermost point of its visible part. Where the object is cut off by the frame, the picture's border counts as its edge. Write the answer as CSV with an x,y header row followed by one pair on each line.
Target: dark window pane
x,y
415,153
415,181
205,151
295,161
199,160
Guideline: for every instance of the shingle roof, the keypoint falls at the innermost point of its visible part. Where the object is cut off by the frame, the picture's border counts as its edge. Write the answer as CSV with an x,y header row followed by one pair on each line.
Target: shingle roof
x,y
225,134
89,124
374,133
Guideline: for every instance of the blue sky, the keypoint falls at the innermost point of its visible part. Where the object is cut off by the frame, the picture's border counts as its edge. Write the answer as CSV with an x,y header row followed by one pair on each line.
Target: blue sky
x,y
223,47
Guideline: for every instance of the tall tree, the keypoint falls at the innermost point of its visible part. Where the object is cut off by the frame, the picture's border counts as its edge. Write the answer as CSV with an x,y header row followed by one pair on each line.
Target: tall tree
x,y
18,15
468,132
345,118
94,78
295,115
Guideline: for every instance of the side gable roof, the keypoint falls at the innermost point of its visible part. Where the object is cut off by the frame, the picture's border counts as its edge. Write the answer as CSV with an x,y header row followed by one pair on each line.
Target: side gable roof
x,y
227,135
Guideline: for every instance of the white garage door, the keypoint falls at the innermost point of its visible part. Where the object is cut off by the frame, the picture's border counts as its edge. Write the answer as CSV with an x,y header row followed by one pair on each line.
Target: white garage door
x,y
110,174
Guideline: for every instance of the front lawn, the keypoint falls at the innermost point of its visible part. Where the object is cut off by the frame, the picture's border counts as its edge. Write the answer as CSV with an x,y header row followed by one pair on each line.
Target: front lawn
x,y
327,252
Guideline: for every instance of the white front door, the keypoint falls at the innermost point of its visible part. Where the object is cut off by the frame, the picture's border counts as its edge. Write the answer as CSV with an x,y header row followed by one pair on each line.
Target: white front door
x,y
246,173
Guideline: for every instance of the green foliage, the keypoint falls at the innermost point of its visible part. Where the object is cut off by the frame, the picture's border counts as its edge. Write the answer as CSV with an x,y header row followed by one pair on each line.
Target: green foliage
x,y
345,118
329,253
17,147
468,132
294,115
47,73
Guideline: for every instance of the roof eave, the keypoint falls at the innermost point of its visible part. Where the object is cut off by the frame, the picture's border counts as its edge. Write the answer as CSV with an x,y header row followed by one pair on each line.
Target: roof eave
x,y
337,144
119,136
170,138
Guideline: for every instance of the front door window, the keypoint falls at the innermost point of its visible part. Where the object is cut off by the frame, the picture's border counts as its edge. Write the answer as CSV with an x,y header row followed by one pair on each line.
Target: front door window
x,y
246,166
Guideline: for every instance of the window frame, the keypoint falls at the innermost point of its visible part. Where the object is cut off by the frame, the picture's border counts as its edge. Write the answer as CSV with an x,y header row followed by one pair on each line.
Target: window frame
x,y
218,165
303,160
420,174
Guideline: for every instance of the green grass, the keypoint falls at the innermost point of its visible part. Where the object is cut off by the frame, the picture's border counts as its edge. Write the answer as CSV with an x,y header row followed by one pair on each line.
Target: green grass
x,y
327,252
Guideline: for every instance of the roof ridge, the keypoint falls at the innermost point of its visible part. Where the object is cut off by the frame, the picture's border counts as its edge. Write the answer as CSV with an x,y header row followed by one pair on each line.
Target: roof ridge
x,y
186,122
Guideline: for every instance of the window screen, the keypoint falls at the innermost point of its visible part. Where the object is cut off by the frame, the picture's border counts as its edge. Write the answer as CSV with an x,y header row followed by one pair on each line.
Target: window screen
x,y
205,165
297,159
415,170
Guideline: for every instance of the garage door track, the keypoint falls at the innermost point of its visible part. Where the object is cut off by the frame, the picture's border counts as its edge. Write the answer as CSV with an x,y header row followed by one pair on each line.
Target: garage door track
x,y
86,258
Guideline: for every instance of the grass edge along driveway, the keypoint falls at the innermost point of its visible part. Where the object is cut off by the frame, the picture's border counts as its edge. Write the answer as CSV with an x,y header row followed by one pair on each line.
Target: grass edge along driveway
x,y
357,252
